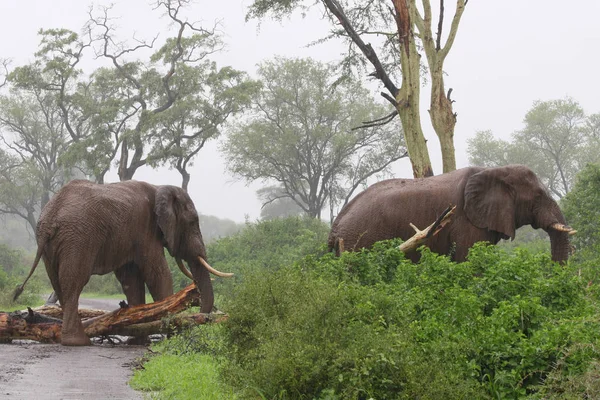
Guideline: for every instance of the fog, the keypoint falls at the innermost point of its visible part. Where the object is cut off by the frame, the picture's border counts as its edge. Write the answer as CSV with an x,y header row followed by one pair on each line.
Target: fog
x,y
506,56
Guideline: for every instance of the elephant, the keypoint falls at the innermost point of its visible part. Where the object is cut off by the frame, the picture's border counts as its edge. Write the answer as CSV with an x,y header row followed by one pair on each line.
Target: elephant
x,y
491,203
88,228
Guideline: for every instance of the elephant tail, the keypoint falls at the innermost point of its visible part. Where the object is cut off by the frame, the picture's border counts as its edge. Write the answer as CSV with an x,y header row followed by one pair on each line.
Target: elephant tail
x,y
335,244
331,242
38,255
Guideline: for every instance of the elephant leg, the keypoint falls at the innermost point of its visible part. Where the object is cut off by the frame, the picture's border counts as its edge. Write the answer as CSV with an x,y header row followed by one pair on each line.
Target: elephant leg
x,y
159,280
132,282
71,285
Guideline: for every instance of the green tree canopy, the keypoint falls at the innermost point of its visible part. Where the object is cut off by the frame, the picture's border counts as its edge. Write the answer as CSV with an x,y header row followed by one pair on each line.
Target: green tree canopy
x,y
32,141
582,207
300,135
154,104
556,142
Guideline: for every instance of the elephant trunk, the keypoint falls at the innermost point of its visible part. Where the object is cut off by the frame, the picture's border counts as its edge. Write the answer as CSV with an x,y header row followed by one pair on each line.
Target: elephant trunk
x,y
559,243
200,269
204,284
551,219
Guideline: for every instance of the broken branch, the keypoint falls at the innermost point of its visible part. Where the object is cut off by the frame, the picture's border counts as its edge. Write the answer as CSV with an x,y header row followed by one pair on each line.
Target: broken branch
x,y
421,236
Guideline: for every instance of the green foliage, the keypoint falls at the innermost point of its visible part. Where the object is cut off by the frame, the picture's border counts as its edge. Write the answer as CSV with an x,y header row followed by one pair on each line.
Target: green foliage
x,y
557,140
582,208
14,267
300,135
373,325
186,366
269,245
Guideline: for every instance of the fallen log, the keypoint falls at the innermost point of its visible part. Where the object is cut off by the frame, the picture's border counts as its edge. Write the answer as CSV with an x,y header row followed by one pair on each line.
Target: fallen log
x,y
166,325
145,319
56,311
421,236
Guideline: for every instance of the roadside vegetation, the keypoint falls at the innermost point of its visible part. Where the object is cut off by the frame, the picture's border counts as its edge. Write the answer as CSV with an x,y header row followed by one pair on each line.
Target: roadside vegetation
x,y
508,323
14,267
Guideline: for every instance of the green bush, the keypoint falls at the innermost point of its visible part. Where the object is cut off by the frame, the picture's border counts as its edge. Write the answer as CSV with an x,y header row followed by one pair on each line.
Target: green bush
x,y
185,366
14,267
582,208
269,244
304,324
373,325
264,247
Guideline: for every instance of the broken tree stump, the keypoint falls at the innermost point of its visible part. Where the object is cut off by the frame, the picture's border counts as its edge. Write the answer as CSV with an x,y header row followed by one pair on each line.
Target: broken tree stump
x,y
145,319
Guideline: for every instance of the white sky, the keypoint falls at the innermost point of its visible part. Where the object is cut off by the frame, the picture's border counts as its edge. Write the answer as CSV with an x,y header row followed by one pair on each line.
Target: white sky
x,y
507,55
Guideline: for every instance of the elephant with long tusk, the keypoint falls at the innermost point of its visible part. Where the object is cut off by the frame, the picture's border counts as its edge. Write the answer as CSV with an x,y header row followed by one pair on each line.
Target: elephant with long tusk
x,y
88,228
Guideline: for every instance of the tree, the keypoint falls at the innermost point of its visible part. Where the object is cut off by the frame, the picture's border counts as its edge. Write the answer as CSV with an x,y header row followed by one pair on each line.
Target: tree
x,y
486,151
275,204
556,142
581,207
300,136
402,30
554,130
150,89
211,97
33,140
157,109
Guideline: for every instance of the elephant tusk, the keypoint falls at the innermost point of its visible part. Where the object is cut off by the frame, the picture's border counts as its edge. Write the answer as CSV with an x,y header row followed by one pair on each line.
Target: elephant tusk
x,y
183,269
563,228
212,270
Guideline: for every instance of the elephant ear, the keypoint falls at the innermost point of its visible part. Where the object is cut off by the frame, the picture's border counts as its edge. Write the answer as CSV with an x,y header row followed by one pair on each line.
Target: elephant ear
x,y
490,202
164,208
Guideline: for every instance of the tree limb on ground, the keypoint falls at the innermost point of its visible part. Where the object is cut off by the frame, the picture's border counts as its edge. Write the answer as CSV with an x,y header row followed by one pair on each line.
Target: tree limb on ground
x,y
141,320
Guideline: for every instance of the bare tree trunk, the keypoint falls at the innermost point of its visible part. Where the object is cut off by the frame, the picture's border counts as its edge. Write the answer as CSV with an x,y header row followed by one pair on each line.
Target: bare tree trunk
x,y
443,119
442,116
409,94
185,178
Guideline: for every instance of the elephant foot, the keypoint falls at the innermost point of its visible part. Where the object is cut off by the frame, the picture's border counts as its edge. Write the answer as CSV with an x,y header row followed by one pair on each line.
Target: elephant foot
x,y
75,340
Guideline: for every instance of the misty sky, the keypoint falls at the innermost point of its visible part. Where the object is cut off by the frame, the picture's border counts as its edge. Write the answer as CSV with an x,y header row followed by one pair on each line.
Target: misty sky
x,y
507,55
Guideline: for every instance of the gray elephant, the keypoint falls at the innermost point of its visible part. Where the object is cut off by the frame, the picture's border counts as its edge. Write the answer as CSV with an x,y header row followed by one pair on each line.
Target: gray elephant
x,y
491,203
89,228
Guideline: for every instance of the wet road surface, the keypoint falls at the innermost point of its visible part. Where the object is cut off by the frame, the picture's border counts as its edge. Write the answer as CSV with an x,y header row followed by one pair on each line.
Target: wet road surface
x,y
30,370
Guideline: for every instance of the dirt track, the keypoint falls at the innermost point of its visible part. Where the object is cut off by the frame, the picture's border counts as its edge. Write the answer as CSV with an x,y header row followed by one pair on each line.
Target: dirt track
x,y
31,370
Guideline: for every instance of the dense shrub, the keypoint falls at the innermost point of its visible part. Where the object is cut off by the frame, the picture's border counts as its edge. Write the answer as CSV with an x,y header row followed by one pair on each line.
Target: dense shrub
x,y
264,247
269,244
582,208
304,324
373,325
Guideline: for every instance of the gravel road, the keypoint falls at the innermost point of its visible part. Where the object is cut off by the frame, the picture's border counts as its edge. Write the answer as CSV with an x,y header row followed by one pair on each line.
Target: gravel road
x,y
30,370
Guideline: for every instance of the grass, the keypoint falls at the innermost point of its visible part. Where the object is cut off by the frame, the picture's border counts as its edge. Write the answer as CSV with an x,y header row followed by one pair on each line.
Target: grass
x,y
18,306
185,376
118,296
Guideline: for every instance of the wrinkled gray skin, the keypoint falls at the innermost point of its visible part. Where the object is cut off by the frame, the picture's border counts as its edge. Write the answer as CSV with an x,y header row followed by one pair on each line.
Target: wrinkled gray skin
x,y
491,204
87,228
